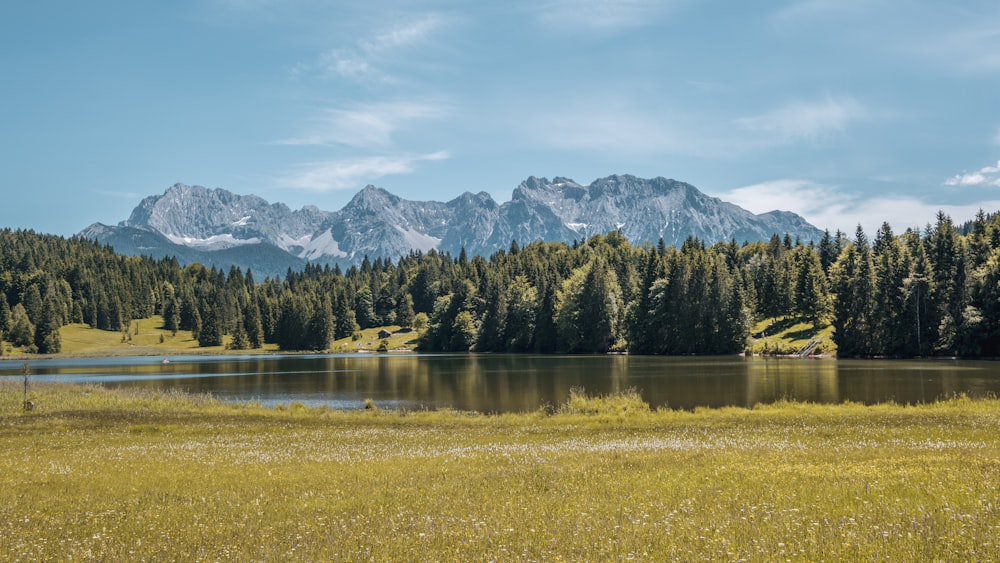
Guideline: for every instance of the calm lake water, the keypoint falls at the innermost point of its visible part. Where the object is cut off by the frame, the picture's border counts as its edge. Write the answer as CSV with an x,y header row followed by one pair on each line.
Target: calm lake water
x,y
518,383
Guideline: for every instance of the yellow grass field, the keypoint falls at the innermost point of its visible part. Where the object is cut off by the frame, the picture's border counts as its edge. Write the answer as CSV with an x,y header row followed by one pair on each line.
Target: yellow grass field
x,y
96,475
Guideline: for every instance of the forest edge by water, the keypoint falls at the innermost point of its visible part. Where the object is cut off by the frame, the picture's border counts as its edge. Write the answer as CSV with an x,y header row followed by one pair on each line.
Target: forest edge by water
x,y
929,293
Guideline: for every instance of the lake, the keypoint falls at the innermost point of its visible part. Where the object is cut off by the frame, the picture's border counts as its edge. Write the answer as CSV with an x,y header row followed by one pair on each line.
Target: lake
x,y
518,383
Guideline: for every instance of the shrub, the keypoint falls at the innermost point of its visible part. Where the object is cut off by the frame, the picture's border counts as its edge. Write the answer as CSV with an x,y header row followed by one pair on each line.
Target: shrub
x,y
628,401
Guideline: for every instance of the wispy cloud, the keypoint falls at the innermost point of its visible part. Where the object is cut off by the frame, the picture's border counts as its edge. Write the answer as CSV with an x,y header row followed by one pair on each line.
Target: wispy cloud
x,y
821,204
400,36
339,174
985,176
831,207
800,120
370,128
366,126
600,15
368,58
973,48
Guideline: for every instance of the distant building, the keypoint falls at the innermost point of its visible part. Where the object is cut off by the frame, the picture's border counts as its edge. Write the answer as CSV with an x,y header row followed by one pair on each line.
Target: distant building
x,y
384,333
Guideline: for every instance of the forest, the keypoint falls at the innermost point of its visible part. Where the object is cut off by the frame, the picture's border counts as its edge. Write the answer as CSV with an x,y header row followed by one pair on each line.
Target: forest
x,y
919,293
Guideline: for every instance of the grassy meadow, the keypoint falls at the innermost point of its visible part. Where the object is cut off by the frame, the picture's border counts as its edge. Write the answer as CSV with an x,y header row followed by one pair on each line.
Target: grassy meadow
x,y
789,335
147,337
92,474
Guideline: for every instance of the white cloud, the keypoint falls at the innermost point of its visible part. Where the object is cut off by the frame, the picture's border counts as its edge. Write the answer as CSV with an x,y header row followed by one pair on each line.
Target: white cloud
x,y
401,36
366,126
985,176
830,207
339,174
805,120
366,58
820,204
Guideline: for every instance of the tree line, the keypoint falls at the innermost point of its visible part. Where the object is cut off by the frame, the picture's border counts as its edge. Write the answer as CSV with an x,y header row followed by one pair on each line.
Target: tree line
x,y
920,293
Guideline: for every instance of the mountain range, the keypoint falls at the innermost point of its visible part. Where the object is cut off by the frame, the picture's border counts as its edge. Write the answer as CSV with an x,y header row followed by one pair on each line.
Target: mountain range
x,y
221,228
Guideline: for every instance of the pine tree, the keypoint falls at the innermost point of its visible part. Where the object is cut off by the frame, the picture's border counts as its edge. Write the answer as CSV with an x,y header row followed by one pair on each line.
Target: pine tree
x,y
853,285
321,327
344,323
252,324
211,330
404,310
22,330
47,339
171,309
4,313
888,323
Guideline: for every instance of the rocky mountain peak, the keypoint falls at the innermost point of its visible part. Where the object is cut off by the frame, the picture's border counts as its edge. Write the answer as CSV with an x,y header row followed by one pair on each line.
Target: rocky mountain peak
x,y
377,223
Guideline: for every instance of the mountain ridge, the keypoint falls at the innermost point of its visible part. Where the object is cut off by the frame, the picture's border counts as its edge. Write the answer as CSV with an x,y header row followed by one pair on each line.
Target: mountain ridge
x,y
195,223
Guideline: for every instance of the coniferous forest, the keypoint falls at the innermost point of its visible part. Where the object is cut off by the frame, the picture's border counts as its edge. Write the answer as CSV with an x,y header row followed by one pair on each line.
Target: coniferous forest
x,y
935,292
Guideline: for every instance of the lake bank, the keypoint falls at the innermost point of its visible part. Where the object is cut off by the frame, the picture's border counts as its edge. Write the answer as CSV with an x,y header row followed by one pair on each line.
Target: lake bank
x,y
504,383
98,474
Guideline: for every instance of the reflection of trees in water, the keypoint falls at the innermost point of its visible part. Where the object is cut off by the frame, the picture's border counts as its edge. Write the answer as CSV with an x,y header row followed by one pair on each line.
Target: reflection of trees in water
x,y
504,383
774,379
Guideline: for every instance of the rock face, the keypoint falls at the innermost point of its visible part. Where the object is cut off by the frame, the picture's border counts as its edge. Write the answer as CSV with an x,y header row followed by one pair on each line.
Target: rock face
x,y
217,227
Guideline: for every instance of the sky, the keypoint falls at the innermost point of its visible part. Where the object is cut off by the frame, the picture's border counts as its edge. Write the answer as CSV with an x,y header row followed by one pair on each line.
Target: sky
x,y
848,112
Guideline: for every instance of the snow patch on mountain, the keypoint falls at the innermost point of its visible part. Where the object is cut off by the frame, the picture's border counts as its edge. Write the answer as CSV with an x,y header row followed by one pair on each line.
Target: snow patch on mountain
x,y
378,224
419,241
216,242
322,245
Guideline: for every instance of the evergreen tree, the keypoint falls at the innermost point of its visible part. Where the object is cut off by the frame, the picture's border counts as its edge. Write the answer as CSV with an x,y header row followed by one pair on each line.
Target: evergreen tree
x,y
587,315
853,285
520,322
463,332
810,292
211,329
171,311
22,330
404,310
252,324
240,341
365,308
828,251
344,323
321,327
4,313
545,337
891,270
293,320
492,336
47,339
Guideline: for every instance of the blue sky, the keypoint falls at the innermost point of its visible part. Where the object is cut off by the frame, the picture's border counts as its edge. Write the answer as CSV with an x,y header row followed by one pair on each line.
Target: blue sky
x,y
845,111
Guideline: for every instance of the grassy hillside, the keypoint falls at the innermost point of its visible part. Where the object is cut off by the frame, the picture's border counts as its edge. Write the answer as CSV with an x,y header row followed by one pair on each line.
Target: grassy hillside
x,y
783,335
367,340
788,335
146,337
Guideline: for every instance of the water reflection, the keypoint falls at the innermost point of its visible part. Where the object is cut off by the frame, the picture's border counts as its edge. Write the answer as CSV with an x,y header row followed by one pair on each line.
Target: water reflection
x,y
518,383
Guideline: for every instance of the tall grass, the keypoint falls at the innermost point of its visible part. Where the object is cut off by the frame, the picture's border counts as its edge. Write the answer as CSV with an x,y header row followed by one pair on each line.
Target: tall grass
x,y
92,474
